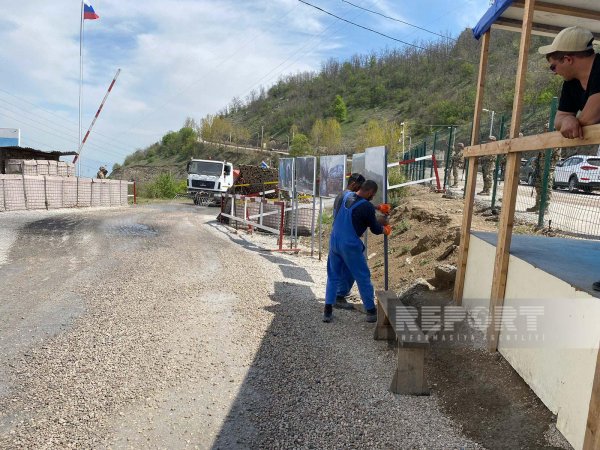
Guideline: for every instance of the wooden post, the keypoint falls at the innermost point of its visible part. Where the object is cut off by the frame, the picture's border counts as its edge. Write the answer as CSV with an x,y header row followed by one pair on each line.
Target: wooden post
x,y
592,428
465,237
511,184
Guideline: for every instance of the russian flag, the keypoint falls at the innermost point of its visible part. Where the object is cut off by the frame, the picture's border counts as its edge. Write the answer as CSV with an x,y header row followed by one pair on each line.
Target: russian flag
x,y
89,13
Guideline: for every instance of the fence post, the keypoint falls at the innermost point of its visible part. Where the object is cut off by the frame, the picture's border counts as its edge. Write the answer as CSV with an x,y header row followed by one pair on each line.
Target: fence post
x,y
435,134
423,153
547,157
447,157
497,166
466,177
134,194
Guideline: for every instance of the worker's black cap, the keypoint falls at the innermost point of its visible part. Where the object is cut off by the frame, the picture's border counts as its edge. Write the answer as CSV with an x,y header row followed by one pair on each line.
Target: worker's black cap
x,y
356,178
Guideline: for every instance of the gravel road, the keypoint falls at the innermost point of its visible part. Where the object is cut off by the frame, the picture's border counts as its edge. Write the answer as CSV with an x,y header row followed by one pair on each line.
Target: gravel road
x,y
155,327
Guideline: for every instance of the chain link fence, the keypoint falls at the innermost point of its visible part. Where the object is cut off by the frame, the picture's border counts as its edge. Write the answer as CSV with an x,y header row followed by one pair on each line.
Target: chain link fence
x,y
559,189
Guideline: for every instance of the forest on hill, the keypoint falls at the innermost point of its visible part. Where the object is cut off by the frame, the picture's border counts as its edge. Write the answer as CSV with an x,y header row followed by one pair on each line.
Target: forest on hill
x,y
370,99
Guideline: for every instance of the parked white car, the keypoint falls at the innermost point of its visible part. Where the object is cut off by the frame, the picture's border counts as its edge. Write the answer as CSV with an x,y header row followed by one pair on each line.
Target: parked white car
x,y
578,172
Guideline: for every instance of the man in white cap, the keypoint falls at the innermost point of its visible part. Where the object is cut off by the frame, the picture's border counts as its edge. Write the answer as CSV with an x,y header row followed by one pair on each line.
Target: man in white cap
x,y
571,55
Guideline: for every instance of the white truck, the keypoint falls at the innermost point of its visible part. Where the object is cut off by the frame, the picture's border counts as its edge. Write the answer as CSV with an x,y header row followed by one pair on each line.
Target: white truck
x,y
209,178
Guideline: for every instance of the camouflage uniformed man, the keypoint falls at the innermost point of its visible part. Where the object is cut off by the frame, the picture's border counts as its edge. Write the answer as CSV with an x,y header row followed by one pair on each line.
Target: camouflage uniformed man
x,y
455,161
102,172
538,177
487,167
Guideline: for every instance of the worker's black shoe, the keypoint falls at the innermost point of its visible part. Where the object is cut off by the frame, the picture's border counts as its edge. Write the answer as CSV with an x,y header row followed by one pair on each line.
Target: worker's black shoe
x,y
328,314
533,209
484,193
342,303
596,286
372,315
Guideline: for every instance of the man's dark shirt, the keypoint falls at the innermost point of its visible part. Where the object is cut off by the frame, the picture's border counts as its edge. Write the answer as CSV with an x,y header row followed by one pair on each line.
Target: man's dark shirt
x,y
337,201
363,216
573,98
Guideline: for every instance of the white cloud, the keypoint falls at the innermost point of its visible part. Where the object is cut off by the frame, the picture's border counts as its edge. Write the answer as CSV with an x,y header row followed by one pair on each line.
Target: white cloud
x,y
178,58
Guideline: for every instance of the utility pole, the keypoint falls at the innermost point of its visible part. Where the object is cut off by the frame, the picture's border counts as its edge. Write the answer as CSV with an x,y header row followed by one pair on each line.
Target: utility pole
x,y
403,145
262,131
492,113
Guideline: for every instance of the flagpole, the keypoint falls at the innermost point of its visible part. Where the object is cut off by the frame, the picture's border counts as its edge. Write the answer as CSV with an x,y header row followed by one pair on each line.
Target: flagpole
x,y
80,79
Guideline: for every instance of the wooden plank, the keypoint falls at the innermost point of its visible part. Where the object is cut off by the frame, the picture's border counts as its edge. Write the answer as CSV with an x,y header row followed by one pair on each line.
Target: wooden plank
x,y
465,232
409,377
481,77
383,328
510,187
592,429
542,141
562,10
465,236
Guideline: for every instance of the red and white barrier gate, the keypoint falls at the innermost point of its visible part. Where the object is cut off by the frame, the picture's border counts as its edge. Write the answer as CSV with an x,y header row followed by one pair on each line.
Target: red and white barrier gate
x,y
424,180
256,220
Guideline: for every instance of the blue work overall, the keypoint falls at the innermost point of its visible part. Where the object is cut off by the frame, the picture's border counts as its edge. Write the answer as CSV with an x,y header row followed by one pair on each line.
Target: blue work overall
x,y
346,257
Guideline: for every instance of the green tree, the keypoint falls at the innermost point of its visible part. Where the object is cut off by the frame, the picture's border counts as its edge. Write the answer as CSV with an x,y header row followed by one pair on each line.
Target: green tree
x,y
332,135
300,145
340,111
316,133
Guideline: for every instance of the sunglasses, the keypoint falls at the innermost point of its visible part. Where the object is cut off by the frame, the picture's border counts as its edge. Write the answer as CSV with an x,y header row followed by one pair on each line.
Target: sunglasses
x,y
553,66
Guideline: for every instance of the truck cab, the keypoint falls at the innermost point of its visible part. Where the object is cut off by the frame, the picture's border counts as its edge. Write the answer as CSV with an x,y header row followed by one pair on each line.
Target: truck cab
x,y
210,177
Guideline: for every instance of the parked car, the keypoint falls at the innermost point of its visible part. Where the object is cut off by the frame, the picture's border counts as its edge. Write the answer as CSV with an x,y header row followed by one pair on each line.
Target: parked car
x,y
578,172
527,171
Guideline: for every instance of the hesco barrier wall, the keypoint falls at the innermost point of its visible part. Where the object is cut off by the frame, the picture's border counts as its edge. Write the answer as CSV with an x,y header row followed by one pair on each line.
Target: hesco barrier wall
x,y
23,192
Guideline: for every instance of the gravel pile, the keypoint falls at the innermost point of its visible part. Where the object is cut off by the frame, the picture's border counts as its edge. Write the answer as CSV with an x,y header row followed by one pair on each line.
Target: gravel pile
x,y
193,338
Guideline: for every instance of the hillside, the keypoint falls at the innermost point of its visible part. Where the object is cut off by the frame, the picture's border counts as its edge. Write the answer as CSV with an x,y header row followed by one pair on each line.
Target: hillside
x,y
349,105
145,165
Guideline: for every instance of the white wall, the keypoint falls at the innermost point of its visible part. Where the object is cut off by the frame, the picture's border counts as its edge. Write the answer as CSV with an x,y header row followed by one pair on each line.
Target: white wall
x,y
561,371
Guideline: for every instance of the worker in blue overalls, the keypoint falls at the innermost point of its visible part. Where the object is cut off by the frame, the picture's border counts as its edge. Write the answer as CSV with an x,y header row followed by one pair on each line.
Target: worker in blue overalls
x,y
355,215
355,181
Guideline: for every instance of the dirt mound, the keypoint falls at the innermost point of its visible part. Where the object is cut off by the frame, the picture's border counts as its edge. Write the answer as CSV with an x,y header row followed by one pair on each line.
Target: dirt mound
x,y
426,234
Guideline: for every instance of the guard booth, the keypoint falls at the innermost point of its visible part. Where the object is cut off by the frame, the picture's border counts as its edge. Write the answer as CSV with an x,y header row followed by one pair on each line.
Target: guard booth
x,y
548,277
25,153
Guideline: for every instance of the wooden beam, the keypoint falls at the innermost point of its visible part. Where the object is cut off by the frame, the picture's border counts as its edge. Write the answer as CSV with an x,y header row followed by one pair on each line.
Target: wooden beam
x,y
465,236
504,23
483,63
465,232
542,141
561,10
592,429
507,214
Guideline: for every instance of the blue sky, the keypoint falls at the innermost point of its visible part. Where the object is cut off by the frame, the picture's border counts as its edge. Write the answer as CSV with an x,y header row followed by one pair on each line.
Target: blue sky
x,y
179,58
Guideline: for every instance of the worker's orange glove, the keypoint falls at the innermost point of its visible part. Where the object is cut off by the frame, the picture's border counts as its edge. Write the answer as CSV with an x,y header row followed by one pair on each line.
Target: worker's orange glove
x,y
387,230
384,208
